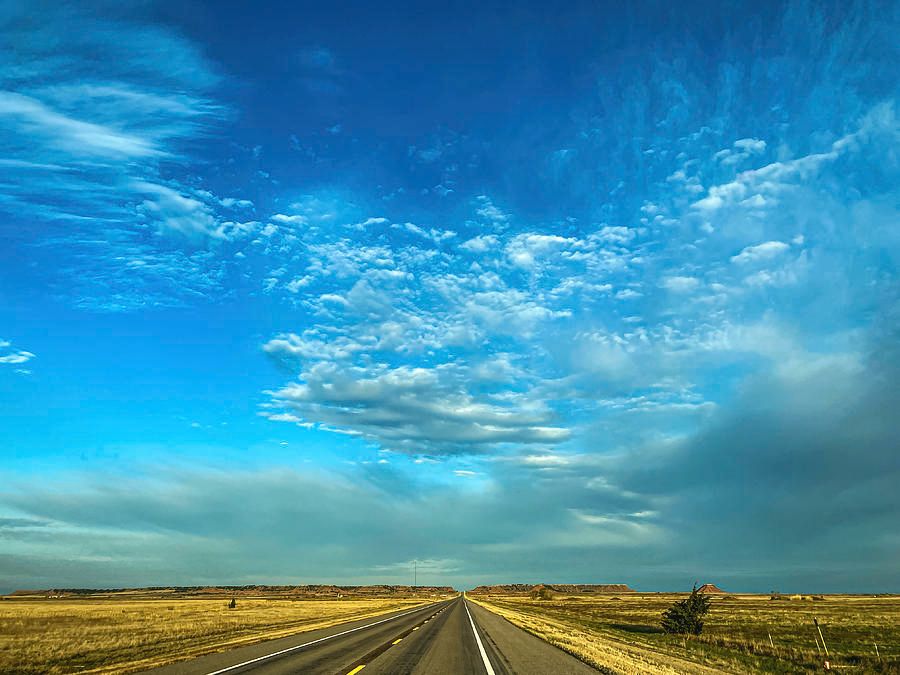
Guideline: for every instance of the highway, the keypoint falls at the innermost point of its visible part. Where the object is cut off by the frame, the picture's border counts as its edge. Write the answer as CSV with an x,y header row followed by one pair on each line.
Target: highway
x,y
453,637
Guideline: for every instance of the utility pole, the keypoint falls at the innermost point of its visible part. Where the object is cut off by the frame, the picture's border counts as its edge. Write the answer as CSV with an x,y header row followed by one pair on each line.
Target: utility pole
x,y
415,573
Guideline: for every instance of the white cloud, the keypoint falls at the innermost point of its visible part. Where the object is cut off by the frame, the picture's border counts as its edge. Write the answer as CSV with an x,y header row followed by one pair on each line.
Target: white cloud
x,y
761,252
296,284
16,357
680,284
753,145
232,202
38,121
289,219
489,211
416,410
173,211
616,235
526,250
432,234
480,244
775,177
368,222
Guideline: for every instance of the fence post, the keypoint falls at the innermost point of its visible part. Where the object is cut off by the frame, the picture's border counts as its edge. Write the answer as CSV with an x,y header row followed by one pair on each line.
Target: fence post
x,y
816,621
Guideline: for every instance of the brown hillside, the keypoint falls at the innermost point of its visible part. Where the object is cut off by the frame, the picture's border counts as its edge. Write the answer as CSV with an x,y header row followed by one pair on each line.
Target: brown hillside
x,y
298,592
571,589
711,588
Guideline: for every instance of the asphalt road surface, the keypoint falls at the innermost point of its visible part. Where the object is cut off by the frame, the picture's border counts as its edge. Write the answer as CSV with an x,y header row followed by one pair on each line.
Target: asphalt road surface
x,y
454,637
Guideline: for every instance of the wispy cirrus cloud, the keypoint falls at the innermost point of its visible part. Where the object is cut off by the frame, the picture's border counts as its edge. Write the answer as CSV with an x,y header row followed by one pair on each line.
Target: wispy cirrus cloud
x,y
96,149
11,356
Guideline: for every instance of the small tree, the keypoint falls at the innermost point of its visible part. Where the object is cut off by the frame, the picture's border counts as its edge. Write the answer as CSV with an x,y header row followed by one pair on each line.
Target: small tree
x,y
541,592
686,616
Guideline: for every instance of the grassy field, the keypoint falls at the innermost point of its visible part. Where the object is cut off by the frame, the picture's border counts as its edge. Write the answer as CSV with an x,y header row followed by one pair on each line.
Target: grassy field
x,y
621,634
123,635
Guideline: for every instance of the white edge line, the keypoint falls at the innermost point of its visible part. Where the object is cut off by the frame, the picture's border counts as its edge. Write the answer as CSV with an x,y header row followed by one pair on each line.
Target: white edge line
x,y
323,639
487,664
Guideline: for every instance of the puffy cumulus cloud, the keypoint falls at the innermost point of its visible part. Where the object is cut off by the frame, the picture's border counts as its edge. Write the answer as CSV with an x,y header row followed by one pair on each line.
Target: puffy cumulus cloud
x,y
524,250
510,311
480,244
680,284
415,410
433,234
751,145
760,252
192,216
642,331
490,212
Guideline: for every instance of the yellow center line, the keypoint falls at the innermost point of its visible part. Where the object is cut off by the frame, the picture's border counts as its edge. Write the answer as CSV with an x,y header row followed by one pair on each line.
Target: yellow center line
x,y
396,641
357,669
416,628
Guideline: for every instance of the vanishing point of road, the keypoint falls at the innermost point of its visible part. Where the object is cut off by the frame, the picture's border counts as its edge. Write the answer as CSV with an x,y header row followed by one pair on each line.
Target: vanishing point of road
x,y
453,637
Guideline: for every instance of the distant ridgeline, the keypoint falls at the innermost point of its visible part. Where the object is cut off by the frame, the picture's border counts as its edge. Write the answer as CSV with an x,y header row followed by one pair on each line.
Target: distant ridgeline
x,y
312,590
511,589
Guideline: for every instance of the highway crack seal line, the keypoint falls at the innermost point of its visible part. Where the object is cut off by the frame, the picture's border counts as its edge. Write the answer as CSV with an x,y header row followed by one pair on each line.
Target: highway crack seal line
x,y
359,664
280,652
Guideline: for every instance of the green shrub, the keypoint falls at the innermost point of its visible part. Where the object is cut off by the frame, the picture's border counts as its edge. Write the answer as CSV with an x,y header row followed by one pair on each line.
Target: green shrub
x,y
686,616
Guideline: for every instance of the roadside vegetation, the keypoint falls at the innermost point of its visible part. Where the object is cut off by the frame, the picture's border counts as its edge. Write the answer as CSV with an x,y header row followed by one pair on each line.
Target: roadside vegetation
x,y
740,633
105,635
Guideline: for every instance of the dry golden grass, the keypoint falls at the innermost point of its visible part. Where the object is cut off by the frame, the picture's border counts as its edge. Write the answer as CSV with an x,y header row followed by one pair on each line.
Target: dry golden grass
x,y
122,635
621,634
607,654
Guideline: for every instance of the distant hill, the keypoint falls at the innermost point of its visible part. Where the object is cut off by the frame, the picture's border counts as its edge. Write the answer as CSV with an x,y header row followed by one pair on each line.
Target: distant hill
x,y
711,588
304,591
525,589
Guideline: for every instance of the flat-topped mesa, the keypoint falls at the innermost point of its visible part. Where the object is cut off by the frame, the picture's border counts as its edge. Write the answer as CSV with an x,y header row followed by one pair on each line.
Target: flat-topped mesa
x,y
525,589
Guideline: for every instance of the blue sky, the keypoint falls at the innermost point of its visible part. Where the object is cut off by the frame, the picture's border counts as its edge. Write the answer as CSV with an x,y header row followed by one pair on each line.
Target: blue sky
x,y
302,294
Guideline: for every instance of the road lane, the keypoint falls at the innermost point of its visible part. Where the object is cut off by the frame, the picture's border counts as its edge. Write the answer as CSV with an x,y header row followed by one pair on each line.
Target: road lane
x,y
512,650
443,646
441,639
320,651
447,646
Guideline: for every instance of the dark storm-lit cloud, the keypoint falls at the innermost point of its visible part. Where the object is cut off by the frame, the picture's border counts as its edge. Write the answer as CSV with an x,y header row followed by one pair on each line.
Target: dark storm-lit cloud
x,y
650,305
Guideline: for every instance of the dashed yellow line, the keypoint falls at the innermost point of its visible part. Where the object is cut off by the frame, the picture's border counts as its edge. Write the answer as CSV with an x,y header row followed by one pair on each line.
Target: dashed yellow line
x,y
416,628
396,641
357,669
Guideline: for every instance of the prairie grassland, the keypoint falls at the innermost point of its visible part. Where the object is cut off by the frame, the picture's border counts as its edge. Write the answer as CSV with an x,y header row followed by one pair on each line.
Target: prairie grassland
x,y
621,634
123,635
